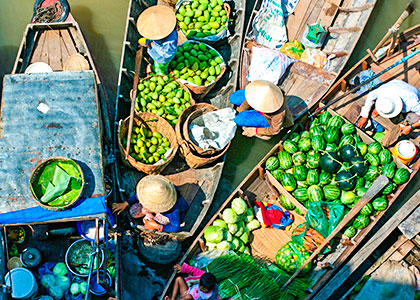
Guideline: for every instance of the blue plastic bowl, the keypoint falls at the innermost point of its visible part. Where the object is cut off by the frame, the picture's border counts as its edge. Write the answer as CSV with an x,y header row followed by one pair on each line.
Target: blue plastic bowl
x,y
83,234
98,289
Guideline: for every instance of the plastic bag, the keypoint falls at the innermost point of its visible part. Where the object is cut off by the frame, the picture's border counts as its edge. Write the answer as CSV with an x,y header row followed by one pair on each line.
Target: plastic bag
x,y
291,256
267,64
314,57
203,259
211,38
317,219
361,78
292,49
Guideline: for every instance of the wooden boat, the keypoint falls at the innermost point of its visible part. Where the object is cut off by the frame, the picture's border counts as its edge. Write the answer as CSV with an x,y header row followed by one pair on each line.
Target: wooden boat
x,y
400,231
304,85
54,131
198,186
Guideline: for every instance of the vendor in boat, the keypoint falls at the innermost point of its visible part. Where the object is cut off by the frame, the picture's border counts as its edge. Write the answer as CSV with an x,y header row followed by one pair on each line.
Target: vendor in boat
x,y
263,111
157,26
158,202
395,100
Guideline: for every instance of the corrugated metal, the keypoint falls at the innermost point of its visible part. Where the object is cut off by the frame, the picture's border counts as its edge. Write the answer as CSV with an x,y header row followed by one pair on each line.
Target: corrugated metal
x,y
70,128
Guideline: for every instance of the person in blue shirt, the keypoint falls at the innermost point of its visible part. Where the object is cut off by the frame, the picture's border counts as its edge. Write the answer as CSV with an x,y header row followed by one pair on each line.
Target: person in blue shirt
x,y
157,26
158,202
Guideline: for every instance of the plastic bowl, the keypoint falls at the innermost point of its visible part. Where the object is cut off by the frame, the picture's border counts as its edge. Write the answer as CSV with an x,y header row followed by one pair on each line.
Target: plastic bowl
x,y
98,289
72,248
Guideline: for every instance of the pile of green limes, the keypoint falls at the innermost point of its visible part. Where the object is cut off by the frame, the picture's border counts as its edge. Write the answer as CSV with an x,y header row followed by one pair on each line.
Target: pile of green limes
x,y
147,147
197,63
163,96
202,18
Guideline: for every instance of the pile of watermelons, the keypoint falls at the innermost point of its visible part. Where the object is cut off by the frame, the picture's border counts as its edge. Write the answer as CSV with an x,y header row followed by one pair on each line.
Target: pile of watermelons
x,y
331,163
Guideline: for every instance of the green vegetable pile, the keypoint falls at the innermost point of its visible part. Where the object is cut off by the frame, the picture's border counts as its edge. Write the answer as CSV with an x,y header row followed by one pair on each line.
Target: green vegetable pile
x,y
291,256
242,277
232,232
330,162
197,63
163,96
147,147
198,19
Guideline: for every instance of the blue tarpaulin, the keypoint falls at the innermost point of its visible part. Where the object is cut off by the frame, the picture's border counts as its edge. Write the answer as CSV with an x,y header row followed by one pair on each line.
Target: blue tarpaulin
x,y
87,207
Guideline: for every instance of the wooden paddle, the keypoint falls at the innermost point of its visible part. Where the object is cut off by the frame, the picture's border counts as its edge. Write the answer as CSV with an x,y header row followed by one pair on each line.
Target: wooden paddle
x,y
139,57
408,11
376,187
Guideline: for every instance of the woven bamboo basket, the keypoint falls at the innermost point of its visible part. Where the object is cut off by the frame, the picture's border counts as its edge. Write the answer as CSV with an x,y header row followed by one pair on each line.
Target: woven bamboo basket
x,y
38,170
160,125
201,91
177,80
192,158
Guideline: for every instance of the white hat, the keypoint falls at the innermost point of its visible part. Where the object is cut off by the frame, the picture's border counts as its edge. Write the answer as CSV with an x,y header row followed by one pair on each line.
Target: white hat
x,y
156,22
388,107
38,67
264,96
156,193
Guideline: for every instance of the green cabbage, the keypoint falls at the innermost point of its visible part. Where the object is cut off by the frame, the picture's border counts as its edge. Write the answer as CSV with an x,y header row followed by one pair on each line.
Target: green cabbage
x,y
239,205
254,224
224,245
232,228
237,244
63,282
60,269
74,289
48,280
220,223
213,234
227,236
240,231
211,246
56,292
249,215
244,237
83,287
230,216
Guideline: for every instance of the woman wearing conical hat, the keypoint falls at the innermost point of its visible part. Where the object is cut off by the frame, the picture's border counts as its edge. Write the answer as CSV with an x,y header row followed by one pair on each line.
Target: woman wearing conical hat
x,y
157,26
158,202
263,111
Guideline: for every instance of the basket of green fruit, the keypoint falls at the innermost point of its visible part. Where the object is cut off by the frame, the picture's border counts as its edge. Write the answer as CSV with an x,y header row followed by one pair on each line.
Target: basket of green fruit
x,y
164,96
151,149
203,20
198,66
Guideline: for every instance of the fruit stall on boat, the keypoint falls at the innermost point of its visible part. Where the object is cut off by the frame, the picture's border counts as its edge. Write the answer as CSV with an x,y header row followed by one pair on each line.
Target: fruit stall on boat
x,y
56,229
196,175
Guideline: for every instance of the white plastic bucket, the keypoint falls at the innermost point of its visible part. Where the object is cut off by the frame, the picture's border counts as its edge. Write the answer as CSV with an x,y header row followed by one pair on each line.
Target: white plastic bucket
x,y
405,151
23,283
38,67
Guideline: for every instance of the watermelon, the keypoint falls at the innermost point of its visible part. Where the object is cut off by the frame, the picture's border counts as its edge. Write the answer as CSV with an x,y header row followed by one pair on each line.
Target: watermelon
x,y
294,137
346,181
372,173
362,148
360,191
313,177
317,130
299,158
347,152
331,192
348,197
361,221
388,189
304,144
313,159
367,209
331,147
288,182
347,128
401,176
374,148
272,163
318,142
302,184
305,135
389,170
277,173
300,172
368,184
379,203
285,160
331,135
314,123
286,203
335,121
385,156
346,140
301,194
299,212
324,117
290,146
360,182
373,159
330,162
358,166
315,193
350,232
324,177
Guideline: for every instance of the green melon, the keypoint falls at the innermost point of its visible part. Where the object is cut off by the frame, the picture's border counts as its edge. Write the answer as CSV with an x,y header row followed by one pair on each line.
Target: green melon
x,y
385,156
324,117
272,163
317,130
361,221
373,159
299,158
286,203
330,147
360,182
362,148
335,121
332,134
348,197
318,142
374,148
324,178
313,159
331,192
285,160
288,182
358,166
300,172
294,137
361,191
330,162
277,174
388,189
301,194
401,176
304,144
290,146
389,170
367,209
372,173
347,128
350,232
347,152
346,140
313,177
379,203
305,135
346,181
315,193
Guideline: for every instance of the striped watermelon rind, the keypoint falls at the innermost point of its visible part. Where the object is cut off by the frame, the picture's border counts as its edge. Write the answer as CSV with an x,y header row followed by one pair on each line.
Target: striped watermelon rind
x,y
379,204
331,192
324,177
285,160
374,148
304,144
385,156
294,137
301,194
362,148
372,173
272,163
335,121
373,159
367,209
290,146
286,203
277,173
318,143
401,176
346,140
360,182
331,147
313,159
332,134
347,128
324,117
361,221
315,193
350,232
389,170
288,182
389,188
305,135
300,172
312,177
316,131
299,158
302,184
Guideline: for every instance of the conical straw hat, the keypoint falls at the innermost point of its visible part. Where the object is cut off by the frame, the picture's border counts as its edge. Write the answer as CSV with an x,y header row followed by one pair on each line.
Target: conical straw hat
x,y
156,193
76,62
264,96
156,22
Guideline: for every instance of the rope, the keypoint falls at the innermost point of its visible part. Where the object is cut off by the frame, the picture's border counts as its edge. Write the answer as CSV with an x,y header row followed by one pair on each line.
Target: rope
x,y
49,13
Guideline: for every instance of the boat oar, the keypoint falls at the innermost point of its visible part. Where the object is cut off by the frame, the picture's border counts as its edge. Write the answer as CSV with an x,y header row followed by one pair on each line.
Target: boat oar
x,y
408,11
402,60
139,57
375,188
